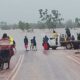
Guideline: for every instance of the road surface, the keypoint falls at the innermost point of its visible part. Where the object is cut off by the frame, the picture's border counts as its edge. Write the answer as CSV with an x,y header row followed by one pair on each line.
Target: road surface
x,y
41,65
47,65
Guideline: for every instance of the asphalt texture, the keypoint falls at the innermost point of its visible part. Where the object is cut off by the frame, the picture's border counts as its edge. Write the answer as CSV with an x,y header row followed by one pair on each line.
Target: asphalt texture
x,y
49,65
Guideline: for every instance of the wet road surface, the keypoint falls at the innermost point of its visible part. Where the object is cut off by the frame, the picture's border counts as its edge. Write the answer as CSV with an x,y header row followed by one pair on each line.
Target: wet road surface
x,y
48,65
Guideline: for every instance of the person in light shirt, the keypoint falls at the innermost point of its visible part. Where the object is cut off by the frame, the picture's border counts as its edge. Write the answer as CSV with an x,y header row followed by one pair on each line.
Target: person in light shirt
x,y
55,35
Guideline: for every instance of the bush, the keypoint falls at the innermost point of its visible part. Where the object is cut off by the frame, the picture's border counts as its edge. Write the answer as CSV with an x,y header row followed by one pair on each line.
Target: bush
x,y
78,36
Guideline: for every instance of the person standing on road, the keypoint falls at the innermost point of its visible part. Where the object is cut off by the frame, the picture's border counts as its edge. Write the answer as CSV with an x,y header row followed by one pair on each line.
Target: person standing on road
x,y
46,39
45,43
68,33
25,42
34,43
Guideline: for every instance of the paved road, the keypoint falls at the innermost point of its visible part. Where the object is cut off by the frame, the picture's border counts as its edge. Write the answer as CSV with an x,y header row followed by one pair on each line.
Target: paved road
x,y
48,65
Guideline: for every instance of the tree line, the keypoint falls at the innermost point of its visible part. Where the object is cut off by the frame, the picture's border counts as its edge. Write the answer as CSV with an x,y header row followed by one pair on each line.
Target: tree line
x,y
48,19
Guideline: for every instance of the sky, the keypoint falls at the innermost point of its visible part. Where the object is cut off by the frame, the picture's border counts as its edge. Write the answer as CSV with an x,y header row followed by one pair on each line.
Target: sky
x,y
12,11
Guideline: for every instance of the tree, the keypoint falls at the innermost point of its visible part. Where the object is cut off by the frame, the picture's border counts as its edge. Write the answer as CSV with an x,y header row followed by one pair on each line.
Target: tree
x,y
40,25
23,25
69,24
77,22
4,25
52,19
27,26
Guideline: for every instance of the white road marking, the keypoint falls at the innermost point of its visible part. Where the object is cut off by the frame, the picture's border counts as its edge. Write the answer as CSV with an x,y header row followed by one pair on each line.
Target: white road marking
x,y
13,77
73,59
3,75
16,69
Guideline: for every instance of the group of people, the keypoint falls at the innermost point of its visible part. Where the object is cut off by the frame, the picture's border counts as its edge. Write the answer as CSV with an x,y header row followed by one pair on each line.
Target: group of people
x,y
45,40
33,45
68,36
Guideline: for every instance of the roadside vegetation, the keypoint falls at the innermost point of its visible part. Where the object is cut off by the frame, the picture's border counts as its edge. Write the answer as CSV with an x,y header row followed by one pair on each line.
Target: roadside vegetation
x,y
48,20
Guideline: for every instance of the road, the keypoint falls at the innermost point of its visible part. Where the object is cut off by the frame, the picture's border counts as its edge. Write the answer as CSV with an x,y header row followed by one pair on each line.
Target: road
x,y
41,65
48,65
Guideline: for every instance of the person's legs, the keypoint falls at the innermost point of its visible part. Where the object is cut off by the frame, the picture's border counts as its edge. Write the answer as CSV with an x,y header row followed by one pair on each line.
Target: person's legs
x,y
35,47
9,54
31,46
4,55
26,46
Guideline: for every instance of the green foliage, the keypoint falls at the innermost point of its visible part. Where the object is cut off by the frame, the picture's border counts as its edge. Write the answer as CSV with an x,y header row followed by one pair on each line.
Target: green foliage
x,y
69,24
78,36
26,26
50,19
4,26
77,22
23,25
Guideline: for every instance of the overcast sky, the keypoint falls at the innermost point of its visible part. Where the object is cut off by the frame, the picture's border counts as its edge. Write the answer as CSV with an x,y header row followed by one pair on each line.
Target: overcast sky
x,y
12,11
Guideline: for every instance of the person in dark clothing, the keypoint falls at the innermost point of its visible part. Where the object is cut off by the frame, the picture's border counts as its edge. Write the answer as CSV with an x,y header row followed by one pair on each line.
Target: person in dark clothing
x,y
46,39
72,37
34,43
68,33
14,46
14,43
26,42
45,43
